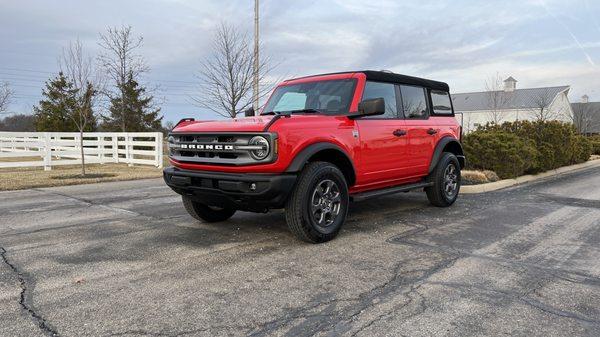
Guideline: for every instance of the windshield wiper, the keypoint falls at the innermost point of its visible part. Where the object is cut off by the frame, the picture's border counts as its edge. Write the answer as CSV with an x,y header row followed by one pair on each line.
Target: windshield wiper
x,y
305,111
289,112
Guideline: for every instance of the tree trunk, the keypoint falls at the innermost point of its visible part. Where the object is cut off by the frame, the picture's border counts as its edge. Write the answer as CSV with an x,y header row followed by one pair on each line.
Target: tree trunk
x,y
82,157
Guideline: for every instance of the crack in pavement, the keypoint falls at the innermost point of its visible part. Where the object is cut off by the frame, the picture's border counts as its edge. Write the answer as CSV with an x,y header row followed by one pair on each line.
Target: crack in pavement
x,y
343,318
416,284
26,298
88,202
567,275
522,298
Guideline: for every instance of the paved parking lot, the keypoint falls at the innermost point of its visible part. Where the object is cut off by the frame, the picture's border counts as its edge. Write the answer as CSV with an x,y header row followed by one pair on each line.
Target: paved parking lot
x,y
124,259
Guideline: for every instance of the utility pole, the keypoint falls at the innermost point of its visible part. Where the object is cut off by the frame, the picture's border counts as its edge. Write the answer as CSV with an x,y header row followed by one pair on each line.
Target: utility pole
x,y
256,62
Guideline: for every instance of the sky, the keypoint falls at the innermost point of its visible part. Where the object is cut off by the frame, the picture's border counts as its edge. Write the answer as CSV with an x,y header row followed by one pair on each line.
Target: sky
x,y
463,43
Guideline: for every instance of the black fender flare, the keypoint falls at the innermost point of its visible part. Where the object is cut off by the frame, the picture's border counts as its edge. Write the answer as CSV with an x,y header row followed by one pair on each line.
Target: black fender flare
x,y
305,154
439,149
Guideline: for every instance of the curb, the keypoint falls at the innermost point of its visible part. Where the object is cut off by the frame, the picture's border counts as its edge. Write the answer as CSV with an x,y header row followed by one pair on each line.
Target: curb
x,y
488,187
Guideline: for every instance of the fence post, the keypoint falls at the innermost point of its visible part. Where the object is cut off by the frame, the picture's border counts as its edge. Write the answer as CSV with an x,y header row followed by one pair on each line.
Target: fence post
x,y
159,149
115,147
128,149
47,152
100,149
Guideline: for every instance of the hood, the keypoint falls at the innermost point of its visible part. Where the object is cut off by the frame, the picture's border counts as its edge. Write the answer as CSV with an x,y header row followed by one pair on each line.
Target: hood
x,y
245,124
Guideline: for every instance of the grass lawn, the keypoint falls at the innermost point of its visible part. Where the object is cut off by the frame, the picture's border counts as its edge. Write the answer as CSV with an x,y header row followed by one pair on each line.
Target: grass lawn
x,y
22,178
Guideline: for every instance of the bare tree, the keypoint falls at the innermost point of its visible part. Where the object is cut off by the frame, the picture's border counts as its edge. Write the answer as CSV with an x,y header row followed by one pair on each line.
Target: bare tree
x,y
121,62
497,99
6,95
79,69
585,117
226,76
541,103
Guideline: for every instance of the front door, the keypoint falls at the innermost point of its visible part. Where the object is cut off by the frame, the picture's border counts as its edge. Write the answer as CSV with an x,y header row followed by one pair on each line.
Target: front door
x,y
384,138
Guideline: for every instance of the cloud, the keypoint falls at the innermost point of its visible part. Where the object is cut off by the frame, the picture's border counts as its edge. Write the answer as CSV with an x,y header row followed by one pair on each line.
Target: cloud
x,y
456,41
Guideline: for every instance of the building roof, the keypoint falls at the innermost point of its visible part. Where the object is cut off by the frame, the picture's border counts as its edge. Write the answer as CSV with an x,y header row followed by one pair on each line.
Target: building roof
x,y
517,99
510,79
387,76
588,116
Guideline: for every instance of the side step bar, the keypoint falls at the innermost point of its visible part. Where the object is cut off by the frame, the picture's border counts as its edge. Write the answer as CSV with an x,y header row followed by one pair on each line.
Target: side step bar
x,y
390,190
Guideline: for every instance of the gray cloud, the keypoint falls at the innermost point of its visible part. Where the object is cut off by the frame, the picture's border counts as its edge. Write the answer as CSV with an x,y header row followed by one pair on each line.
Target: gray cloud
x,y
461,42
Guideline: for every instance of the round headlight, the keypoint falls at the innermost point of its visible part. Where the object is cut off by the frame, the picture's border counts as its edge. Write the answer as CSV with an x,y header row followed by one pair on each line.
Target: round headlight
x,y
262,153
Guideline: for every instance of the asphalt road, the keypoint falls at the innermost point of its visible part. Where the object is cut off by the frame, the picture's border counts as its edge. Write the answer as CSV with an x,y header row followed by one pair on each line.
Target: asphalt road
x,y
124,259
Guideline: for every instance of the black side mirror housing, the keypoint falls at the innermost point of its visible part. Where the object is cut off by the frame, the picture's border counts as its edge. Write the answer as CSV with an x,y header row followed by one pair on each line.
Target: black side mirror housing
x,y
249,112
371,107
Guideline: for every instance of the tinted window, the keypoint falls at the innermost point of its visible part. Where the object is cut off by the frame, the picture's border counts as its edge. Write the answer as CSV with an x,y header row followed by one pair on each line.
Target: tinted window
x,y
414,102
387,91
330,97
441,103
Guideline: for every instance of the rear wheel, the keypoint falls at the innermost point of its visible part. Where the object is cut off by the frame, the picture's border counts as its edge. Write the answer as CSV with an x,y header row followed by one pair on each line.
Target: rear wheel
x,y
446,181
206,213
317,208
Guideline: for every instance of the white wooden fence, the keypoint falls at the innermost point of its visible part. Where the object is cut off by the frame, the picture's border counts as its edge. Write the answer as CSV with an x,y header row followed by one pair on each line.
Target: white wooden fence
x,y
22,149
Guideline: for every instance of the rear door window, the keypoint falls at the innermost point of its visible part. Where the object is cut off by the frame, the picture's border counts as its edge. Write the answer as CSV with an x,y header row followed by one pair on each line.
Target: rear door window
x,y
387,91
414,102
441,103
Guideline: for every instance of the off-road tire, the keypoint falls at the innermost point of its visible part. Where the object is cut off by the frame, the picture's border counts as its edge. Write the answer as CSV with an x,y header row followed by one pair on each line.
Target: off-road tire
x,y
299,213
437,193
206,213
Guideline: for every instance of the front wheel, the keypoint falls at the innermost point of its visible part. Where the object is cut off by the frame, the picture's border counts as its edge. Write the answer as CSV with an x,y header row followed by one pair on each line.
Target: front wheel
x,y
446,181
206,213
317,208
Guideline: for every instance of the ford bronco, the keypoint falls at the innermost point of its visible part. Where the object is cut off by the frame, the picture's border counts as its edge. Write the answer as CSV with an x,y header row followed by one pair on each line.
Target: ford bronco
x,y
319,143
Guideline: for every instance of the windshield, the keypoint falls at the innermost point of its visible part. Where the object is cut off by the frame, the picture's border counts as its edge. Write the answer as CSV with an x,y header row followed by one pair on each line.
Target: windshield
x,y
329,97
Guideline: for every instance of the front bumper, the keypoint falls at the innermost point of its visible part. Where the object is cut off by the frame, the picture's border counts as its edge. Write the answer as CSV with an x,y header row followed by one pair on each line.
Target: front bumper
x,y
248,192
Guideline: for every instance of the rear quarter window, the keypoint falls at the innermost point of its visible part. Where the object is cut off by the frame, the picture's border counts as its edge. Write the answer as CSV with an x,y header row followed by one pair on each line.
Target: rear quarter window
x,y
441,103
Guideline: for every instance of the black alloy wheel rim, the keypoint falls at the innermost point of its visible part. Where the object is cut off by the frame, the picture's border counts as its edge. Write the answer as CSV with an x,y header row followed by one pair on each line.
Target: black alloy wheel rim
x,y
326,203
450,180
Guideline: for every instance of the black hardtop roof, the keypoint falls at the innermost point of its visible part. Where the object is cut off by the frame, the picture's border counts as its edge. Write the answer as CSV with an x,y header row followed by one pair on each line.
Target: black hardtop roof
x,y
386,76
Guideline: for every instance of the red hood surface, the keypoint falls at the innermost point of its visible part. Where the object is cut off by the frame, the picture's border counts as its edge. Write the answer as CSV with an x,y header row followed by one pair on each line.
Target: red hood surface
x,y
245,124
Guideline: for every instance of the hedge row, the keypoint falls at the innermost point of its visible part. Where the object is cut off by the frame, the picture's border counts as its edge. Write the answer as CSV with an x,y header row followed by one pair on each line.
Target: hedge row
x,y
515,148
595,140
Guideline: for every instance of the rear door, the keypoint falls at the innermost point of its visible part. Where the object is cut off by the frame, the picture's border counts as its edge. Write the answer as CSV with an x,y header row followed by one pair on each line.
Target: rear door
x,y
384,138
422,130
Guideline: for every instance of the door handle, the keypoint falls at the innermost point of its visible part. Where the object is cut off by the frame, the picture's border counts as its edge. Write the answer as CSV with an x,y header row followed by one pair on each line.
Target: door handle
x,y
399,133
432,131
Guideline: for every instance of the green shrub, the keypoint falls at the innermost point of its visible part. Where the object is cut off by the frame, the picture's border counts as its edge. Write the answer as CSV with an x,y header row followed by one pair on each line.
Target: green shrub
x,y
502,152
554,143
595,142
581,148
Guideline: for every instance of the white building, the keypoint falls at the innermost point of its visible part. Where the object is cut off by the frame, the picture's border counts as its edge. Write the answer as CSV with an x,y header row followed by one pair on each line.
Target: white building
x,y
511,104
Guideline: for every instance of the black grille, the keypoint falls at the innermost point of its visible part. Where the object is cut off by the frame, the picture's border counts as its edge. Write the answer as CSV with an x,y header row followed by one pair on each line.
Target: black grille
x,y
223,149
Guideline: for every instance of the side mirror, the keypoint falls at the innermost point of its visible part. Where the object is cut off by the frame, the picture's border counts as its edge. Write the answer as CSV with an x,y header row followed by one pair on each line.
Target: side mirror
x,y
249,112
371,107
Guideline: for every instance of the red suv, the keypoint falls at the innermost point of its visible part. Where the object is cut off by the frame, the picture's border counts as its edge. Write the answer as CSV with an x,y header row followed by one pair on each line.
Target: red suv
x,y
320,142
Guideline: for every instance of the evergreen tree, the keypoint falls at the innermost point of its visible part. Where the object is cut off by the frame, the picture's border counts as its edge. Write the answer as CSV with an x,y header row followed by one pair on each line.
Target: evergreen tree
x,y
53,111
57,111
133,110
